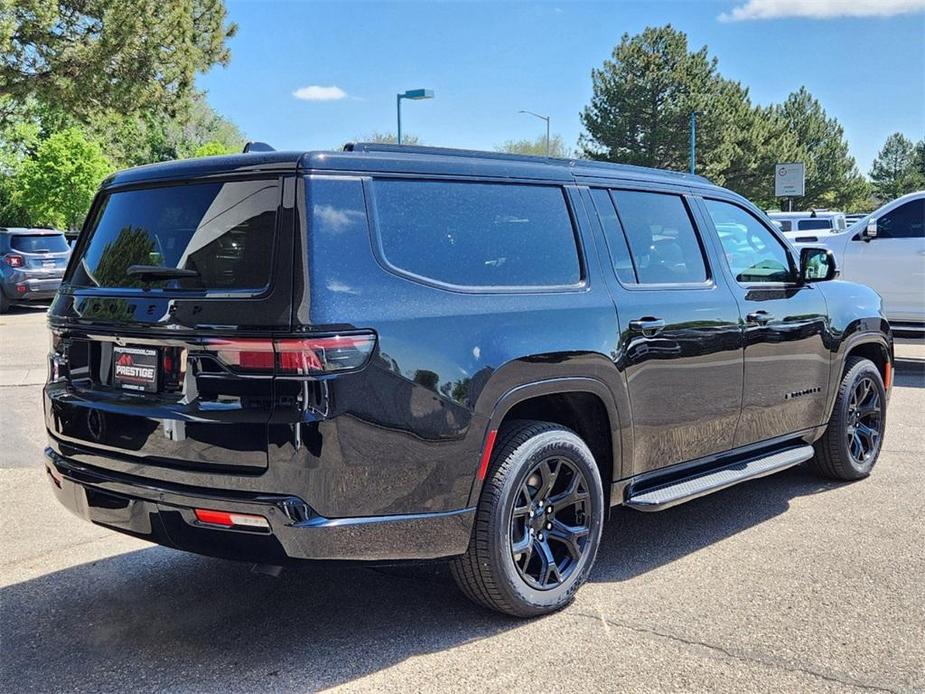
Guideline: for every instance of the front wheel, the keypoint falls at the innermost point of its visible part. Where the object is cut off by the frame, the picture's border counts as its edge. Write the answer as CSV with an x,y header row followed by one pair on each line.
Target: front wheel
x,y
851,444
538,522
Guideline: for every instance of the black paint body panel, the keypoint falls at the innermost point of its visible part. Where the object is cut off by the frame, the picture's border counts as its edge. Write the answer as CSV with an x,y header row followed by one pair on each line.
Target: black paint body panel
x,y
403,436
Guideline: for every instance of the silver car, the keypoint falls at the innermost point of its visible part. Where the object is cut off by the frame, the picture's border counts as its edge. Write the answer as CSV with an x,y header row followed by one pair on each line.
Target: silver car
x,y
32,263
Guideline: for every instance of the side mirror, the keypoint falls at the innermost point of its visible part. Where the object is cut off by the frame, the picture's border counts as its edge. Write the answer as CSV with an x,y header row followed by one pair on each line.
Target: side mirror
x,y
817,265
871,231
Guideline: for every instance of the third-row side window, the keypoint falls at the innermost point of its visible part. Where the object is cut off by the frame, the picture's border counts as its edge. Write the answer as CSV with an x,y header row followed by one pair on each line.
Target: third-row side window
x,y
478,234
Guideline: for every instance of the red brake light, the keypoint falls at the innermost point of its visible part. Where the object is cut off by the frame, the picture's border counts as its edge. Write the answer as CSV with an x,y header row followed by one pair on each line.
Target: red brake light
x,y
324,354
14,260
295,356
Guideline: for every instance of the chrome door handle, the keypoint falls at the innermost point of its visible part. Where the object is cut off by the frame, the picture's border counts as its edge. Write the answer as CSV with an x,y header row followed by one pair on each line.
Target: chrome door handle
x,y
648,326
759,317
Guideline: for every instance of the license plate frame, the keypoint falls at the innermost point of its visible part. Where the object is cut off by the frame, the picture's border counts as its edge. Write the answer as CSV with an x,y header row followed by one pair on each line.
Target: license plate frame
x,y
136,368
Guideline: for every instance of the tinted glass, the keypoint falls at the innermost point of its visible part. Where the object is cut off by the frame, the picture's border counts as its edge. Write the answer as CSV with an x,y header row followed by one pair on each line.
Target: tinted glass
x,y
905,222
661,236
223,231
478,234
615,238
812,224
785,224
38,243
753,252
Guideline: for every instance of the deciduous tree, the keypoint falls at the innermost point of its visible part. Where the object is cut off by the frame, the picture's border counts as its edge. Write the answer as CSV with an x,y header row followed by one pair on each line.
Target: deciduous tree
x,y
537,147
57,184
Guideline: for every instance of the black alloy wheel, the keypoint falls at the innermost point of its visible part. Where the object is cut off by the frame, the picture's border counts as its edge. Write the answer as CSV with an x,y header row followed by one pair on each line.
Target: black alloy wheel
x,y
538,522
850,446
550,523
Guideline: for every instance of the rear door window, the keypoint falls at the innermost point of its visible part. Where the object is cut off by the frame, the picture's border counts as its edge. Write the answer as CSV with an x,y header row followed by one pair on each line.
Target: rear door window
x,y
664,245
223,231
477,234
38,243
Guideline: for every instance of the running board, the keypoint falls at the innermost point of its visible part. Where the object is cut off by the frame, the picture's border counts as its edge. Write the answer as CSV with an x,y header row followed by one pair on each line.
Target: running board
x,y
677,492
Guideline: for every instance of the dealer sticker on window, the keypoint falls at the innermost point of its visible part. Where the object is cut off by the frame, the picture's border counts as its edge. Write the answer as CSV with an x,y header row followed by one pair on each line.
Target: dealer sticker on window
x,y
135,368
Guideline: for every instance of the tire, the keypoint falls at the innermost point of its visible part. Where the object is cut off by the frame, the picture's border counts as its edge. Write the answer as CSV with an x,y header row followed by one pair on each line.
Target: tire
x,y
837,451
529,456
4,302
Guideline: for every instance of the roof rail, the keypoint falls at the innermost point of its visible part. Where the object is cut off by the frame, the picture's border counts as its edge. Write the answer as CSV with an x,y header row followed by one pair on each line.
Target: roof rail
x,y
447,152
257,147
505,156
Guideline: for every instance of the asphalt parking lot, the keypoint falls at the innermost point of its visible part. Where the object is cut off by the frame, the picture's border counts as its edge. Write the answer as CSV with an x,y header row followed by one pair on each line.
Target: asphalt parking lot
x,y
783,584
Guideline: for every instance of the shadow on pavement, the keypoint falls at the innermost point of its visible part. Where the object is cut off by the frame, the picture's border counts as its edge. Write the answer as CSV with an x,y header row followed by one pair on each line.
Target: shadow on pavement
x,y
162,619
909,372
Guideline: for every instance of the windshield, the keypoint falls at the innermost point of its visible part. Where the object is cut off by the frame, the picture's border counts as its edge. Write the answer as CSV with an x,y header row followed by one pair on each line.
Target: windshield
x,y
38,243
810,224
222,231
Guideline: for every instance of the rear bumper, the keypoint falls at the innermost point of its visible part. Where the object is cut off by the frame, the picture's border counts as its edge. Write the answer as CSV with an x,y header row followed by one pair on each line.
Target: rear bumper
x,y
22,288
165,515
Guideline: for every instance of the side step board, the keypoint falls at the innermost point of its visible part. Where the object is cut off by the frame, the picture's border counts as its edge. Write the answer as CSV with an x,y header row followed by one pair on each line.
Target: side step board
x,y
677,492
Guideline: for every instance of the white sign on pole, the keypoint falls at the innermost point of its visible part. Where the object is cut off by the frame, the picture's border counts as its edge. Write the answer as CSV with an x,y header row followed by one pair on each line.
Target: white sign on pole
x,y
789,180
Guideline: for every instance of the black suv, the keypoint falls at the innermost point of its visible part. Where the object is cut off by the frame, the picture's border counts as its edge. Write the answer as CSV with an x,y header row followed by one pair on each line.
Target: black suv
x,y
393,353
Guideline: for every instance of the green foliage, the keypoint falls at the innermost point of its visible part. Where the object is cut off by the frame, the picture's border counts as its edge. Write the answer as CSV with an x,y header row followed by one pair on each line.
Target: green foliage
x,y
390,138
832,177
537,147
92,56
640,114
56,185
642,101
899,168
213,148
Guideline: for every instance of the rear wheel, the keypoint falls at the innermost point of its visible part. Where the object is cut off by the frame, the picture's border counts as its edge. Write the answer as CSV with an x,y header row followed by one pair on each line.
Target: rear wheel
x,y
538,522
851,444
4,302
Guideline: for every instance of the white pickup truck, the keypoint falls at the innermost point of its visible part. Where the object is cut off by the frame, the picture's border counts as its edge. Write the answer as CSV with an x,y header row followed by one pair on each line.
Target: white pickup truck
x,y
886,251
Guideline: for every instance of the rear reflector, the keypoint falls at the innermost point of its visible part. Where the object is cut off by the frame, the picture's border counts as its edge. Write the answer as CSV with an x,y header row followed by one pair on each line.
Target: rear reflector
x,y
486,453
230,520
888,375
295,356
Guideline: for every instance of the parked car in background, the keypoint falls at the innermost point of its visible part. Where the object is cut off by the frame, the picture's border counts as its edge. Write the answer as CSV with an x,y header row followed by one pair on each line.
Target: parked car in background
x,y
808,227
854,217
405,353
886,250
33,263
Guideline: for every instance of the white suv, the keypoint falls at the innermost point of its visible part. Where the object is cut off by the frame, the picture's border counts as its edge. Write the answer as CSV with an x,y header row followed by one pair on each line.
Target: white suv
x,y
886,250
809,227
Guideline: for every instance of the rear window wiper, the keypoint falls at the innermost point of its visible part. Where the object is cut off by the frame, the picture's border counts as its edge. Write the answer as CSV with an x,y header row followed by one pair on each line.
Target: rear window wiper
x,y
159,272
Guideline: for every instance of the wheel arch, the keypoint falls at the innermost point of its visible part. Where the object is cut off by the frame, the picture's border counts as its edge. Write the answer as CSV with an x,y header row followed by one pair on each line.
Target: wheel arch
x,y
583,404
875,346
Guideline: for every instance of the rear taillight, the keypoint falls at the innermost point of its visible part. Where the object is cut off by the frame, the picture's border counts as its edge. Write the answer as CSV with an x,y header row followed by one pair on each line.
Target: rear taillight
x,y
14,260
303,356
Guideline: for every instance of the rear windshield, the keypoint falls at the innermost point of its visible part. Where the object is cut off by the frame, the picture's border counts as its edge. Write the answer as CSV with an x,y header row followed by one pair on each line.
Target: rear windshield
x,y
38,243
223,231
810,224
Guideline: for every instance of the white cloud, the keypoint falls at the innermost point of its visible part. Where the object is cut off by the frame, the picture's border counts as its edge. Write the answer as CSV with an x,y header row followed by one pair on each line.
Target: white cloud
x,y
316,92
820,9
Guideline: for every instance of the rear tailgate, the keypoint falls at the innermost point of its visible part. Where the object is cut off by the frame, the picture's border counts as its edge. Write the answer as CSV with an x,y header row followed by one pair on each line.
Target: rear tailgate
x,y
135,372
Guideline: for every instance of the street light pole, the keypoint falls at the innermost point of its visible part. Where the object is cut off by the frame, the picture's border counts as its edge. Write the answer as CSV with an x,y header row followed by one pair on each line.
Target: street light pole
x,y
545,118
693,142
413,95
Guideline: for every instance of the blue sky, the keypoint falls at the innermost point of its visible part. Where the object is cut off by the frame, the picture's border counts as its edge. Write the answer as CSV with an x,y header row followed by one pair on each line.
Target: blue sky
x,y
487,61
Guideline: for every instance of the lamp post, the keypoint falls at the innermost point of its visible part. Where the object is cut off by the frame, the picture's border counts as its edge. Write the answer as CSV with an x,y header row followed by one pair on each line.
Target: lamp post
x,y
545,118
413,95
693,142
